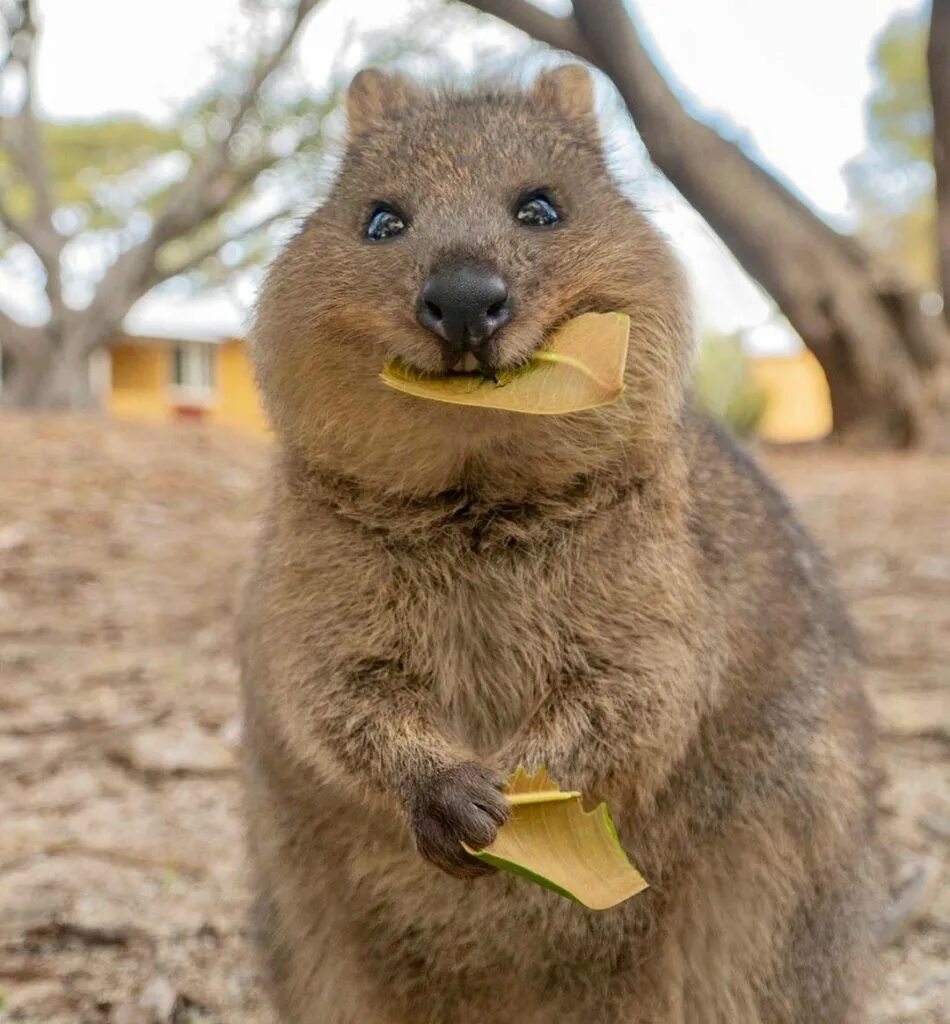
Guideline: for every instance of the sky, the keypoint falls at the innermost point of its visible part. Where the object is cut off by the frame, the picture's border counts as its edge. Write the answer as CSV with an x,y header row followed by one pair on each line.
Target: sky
x,y
789,79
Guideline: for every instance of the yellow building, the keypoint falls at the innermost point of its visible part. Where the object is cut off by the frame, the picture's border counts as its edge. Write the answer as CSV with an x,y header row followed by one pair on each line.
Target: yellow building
x,y
797,402
160,379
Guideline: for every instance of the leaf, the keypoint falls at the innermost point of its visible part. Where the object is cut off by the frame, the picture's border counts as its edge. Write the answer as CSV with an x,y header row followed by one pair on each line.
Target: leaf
x,y
581,368
551,840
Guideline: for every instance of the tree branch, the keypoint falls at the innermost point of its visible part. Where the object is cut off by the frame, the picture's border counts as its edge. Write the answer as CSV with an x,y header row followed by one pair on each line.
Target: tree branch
x,y
10,19
12,223
938,67
206,190
269,64
23,140
829,290
189,204
41,237
195,259
202,208
16,337
25,146
126,281
563,33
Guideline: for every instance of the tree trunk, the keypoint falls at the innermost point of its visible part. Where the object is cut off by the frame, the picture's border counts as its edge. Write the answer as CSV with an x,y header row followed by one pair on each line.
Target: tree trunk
x,y
938,66
48,376
886,362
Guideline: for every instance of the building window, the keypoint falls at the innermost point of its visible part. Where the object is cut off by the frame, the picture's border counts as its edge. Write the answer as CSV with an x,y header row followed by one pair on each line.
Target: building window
x,y
193,373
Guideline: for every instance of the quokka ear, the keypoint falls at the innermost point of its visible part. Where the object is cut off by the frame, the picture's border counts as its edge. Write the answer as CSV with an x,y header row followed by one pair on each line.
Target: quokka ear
x,y
374,96
568,90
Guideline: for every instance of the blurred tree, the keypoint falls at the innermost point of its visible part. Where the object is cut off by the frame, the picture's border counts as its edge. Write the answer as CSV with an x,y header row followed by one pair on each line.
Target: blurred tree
x,y
723,385
938,66
111,209
885,359
892,185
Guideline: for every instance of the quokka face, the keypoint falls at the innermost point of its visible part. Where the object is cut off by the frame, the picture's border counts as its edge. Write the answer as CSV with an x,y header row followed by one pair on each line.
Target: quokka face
x,y
460,231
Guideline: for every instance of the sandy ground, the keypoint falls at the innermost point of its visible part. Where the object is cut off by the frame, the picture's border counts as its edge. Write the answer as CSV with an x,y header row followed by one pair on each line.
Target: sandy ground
x,y
121,551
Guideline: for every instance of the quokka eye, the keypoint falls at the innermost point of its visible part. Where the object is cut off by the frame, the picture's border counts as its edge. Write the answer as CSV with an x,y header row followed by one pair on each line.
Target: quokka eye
x,y
385,222
537,210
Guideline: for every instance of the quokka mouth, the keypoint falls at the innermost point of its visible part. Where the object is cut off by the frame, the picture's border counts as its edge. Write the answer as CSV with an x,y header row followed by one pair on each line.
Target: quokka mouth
x,y
469,367
580,368
469,363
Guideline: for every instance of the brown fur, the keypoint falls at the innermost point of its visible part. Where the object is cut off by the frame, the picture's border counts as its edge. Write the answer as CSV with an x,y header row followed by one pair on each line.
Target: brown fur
x,y
443,593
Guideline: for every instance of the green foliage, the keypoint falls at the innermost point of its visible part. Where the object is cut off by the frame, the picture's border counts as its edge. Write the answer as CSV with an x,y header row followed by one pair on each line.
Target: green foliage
x,y
892,184
724,387
111,178
90,163
900,121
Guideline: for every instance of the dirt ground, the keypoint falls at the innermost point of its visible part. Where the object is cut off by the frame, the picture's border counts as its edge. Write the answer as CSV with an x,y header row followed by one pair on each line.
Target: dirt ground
x,y
122,898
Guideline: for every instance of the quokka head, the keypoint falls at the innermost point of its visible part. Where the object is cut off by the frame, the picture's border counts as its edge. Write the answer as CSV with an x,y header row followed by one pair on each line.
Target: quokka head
x,y
461,229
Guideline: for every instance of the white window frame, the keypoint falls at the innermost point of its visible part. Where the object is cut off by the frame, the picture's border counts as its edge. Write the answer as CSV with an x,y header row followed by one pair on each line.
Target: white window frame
x,y
196,361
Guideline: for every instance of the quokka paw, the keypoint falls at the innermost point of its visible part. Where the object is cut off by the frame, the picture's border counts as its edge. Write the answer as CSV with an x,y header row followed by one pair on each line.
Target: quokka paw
x,y
460,804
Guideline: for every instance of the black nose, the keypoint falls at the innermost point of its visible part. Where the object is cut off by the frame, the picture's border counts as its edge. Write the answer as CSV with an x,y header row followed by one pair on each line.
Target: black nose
x,y
464,304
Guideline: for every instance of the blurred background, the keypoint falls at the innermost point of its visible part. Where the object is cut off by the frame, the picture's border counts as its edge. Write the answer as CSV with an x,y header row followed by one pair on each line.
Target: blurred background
x,y
154,155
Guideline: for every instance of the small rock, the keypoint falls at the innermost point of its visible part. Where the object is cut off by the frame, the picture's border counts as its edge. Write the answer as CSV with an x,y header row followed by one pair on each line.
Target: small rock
x,y
914,715
937,825
916,883
159,997
157,1003
26,907
933,568
165,751
13,536
232,731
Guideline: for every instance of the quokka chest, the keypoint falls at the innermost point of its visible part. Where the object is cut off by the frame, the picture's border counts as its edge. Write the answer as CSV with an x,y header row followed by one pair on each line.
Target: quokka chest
x,y
491,643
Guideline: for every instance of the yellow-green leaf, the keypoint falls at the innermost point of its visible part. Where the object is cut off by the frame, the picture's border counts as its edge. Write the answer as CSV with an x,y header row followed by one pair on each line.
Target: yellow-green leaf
x,y
580,368
551,840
